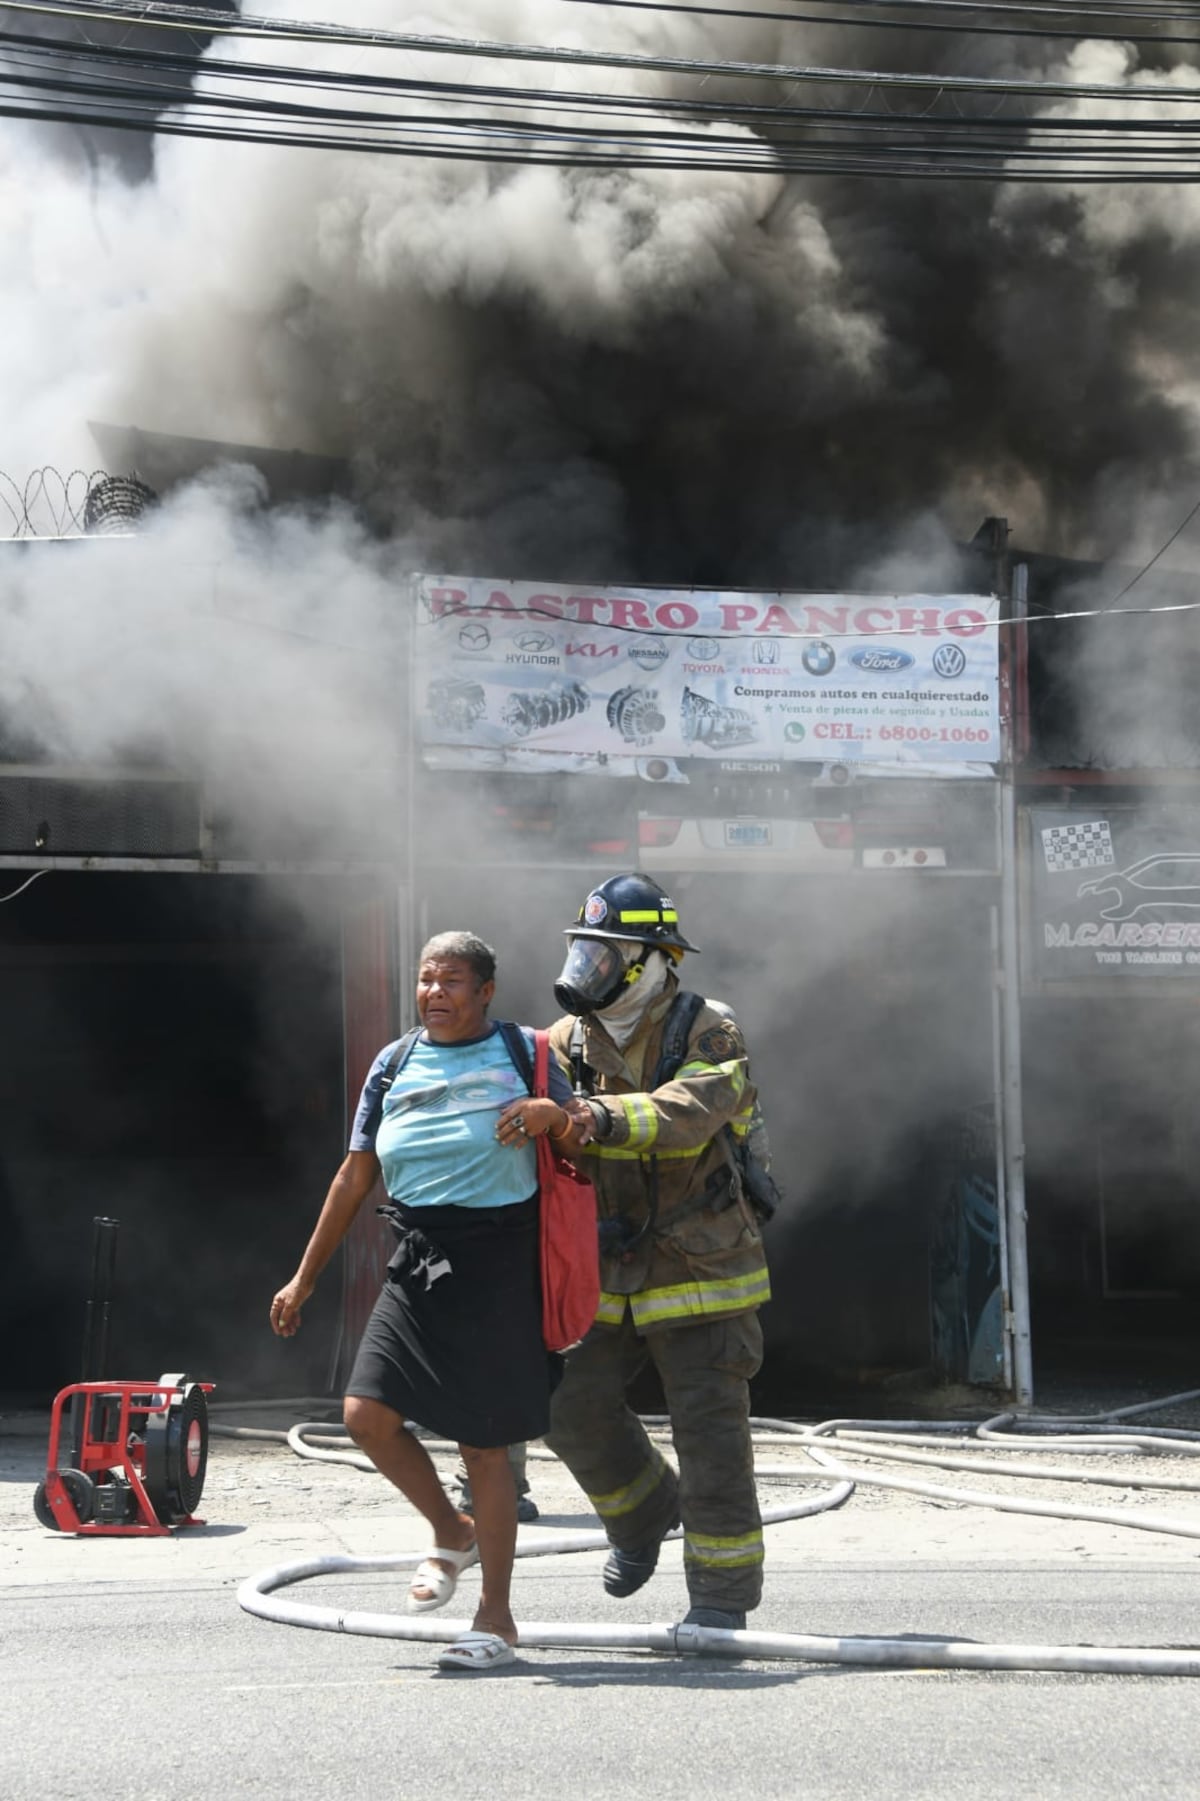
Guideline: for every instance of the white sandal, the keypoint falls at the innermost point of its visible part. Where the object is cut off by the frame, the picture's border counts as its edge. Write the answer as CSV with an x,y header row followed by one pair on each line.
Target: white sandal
x,y
441,1583
477,1652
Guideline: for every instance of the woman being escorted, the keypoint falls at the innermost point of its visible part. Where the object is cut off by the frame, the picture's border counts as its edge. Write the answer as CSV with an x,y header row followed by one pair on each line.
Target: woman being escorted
x,y
455,1338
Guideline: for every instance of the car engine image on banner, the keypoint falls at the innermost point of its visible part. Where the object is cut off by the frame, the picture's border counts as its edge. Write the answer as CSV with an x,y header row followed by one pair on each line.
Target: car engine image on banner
x,y
515,674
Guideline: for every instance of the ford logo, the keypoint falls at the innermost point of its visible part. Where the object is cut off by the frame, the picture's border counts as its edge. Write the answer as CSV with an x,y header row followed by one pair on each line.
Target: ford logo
x,y
878,660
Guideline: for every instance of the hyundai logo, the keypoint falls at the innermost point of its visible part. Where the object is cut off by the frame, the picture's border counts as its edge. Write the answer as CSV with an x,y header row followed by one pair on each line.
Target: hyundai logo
x,y
535,642
879,659
818,658
949,661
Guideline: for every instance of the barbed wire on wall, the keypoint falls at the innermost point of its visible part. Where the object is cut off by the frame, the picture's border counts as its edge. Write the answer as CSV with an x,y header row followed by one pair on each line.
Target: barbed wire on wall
x,y
49,504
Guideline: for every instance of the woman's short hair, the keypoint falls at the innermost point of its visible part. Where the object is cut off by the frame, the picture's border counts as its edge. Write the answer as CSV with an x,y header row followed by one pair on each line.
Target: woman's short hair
x,y
465,947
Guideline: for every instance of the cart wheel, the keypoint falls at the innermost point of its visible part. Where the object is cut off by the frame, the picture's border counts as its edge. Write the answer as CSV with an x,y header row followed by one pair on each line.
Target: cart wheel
x,y
82,1491
177,1452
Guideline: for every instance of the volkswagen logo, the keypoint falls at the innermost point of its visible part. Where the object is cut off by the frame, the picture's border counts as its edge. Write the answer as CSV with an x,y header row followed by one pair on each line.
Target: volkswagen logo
x,y
475,637
818,657
949,661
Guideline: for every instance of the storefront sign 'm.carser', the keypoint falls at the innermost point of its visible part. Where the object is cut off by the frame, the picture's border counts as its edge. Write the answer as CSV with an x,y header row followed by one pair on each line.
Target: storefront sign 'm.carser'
x,y
857,617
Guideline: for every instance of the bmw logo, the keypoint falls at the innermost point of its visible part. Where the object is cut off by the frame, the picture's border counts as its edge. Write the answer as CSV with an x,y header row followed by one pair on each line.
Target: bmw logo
x,y
949,661
818,657
475,637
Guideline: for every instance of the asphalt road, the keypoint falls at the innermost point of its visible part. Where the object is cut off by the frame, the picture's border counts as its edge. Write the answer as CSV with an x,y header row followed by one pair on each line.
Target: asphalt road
x,y
168,1690
128,1672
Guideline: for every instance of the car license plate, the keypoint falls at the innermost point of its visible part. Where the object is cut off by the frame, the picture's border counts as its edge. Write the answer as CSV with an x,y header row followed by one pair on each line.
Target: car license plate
x,y
747,834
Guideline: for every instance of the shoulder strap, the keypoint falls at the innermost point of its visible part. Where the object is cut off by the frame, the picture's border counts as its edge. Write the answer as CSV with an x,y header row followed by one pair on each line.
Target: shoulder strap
x,y
584,1076
398,1058
676,1033
517,1046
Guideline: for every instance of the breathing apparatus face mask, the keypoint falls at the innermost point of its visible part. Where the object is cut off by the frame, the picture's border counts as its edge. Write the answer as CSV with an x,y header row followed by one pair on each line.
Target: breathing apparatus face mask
x,y
596,972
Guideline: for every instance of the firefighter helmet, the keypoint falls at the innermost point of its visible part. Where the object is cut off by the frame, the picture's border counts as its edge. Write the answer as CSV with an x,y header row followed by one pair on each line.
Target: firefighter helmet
x,y
630,906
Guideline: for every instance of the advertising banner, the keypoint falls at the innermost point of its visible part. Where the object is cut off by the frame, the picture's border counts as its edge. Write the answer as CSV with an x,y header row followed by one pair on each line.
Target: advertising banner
x,y
1116,892
518,673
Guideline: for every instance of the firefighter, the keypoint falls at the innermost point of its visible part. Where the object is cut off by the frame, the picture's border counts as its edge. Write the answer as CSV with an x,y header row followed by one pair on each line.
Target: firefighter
x,y
683,1271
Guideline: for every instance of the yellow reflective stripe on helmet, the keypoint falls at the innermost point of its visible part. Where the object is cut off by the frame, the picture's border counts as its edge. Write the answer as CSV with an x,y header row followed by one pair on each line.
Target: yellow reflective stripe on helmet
x,y
723,1553
647,916
684,1300
641,1119
623,1500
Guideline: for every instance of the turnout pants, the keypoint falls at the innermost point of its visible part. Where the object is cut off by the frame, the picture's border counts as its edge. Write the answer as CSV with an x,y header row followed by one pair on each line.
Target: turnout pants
x,y
705,1367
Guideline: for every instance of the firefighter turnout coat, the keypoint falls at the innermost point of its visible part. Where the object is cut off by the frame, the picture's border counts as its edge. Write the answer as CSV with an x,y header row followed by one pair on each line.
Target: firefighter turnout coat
x,y
665,1166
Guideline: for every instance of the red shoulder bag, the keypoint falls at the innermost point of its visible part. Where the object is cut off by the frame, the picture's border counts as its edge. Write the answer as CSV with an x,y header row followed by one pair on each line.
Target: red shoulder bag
x,y
567,1224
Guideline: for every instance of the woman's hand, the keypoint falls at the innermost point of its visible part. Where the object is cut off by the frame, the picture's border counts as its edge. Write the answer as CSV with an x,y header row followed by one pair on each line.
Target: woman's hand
x,y
527,1119
285,1308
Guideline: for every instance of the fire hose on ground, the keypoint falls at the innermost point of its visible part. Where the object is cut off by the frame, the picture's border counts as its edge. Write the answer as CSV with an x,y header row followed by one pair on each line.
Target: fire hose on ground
x,y
945,1445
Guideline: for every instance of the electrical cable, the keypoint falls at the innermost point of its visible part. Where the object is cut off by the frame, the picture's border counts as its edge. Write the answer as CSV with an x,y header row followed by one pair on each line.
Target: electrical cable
x,y
907,26
252,26
958,148
24,885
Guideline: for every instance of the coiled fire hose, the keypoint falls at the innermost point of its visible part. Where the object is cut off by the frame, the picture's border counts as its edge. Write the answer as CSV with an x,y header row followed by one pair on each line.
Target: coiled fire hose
x,y
940,1445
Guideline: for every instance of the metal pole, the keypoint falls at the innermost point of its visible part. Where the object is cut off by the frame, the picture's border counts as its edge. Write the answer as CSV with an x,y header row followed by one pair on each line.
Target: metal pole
x,y
1012,1122
96,1321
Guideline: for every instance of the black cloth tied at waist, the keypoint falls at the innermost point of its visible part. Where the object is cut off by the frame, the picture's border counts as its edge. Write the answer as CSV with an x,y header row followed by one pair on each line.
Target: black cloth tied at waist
x,y
418,1260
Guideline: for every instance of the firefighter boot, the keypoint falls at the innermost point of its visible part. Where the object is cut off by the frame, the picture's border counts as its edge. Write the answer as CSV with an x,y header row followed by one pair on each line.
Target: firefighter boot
x,y
627,1571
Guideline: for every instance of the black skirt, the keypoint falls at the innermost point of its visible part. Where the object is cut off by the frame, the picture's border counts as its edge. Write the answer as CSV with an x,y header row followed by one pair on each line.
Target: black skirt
x,y
460,1350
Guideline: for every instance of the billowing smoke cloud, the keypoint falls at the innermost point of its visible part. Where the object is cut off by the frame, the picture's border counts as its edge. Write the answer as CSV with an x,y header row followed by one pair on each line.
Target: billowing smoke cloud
x,y
685,376
736,379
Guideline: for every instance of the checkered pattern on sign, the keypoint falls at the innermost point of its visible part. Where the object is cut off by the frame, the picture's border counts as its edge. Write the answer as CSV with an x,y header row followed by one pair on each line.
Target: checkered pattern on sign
x,y
1087,845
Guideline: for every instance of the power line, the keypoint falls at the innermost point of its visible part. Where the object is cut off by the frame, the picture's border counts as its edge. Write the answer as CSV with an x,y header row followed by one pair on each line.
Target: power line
x,y
948,27
250,25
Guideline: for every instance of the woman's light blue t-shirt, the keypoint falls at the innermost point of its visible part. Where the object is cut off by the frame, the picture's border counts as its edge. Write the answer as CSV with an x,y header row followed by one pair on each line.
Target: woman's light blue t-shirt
x,y
435,1134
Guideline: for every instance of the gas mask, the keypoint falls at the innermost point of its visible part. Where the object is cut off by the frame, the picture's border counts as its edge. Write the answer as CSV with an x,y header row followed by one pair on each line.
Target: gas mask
x,y
596,972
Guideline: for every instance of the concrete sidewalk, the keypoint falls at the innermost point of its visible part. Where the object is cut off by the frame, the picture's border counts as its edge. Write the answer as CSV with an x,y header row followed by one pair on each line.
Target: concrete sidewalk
x,y
265,1505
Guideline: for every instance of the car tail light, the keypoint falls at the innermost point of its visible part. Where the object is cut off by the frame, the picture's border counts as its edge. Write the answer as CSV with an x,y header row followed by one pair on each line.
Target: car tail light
x,y
609,847
653,833
835,834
